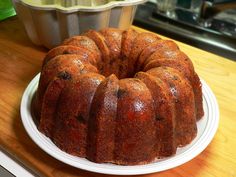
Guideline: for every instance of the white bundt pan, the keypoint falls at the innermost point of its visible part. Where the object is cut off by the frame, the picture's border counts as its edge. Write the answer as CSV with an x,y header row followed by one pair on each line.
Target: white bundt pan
x,y
49,22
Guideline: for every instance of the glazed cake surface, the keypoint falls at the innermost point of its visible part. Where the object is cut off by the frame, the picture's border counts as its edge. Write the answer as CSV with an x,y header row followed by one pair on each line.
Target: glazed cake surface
x,y
117,96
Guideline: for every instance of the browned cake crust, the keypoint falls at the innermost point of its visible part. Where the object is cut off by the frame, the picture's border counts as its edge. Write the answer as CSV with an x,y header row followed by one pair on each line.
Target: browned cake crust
x,y
135,122
99,40
128,37
197,89
118,96
86,43
161,47
102,122
140,42
70,130
113,41
180,61
64,66
185,128
84,53
50,99
165,114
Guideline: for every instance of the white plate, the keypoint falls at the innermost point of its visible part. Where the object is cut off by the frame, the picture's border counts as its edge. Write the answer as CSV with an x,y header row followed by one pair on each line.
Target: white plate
x,y
207,127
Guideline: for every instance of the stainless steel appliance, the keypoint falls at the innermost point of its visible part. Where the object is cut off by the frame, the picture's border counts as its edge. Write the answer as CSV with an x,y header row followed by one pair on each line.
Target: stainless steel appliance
x,y
206,24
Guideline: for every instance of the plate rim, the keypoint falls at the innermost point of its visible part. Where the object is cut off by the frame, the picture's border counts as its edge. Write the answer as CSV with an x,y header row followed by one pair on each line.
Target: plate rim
x,y
206,138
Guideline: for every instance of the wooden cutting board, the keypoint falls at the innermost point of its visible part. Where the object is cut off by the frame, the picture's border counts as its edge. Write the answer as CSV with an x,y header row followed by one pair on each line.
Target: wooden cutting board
x,y
20,61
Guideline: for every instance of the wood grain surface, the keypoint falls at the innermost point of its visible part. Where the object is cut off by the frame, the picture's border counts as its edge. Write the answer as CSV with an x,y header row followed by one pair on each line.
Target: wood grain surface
x,y
20,61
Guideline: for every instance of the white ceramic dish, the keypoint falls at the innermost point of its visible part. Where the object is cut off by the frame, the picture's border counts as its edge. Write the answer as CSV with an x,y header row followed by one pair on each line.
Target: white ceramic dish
x,y
207,127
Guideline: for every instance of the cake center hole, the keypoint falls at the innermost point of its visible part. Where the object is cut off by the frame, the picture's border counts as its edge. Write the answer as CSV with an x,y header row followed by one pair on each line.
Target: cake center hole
x,y
118,67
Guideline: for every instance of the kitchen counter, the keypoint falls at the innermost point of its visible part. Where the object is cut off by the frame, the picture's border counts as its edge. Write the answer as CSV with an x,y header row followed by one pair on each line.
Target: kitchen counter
x,y
20,61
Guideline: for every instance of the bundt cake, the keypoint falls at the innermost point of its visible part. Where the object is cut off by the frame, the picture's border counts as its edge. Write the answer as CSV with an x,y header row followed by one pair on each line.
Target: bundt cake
x,y
116,96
